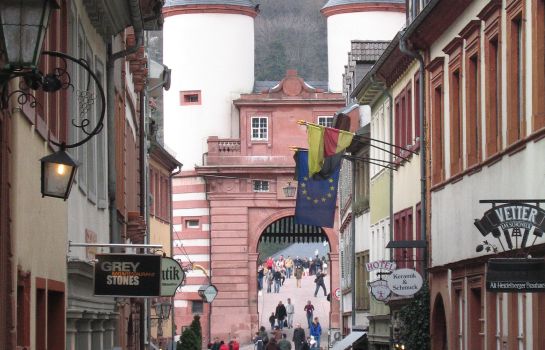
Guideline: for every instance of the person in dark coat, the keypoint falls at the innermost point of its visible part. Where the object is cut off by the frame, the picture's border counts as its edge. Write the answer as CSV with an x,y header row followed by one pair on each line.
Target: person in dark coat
x,y
272,345
319,280
298,337
272,320
280,314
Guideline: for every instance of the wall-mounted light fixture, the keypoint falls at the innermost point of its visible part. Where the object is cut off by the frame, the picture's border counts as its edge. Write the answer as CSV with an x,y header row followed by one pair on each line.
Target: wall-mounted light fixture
x,y
23,24
289,190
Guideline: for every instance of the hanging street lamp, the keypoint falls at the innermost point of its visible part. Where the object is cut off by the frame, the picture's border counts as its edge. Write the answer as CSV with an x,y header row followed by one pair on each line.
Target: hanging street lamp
x,y
58,172
23,24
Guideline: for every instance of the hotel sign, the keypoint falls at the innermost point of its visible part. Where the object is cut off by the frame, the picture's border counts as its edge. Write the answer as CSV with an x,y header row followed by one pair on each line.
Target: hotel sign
x,y
515,275
128,275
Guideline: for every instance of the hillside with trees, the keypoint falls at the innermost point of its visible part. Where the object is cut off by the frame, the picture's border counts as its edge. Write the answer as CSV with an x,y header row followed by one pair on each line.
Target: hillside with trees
x,y
290,34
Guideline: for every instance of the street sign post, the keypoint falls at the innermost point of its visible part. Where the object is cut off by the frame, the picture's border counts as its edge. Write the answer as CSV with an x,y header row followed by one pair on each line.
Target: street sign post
x,y
338,293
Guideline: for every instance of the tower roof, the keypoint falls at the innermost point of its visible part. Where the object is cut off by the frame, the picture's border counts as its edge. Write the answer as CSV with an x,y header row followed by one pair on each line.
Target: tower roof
x,y
245,3
332,3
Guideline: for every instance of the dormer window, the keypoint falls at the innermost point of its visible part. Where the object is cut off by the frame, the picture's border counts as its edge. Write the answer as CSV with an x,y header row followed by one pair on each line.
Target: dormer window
x,y
260,128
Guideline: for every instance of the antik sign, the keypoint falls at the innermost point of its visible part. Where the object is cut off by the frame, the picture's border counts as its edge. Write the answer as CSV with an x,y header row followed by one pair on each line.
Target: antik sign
x,y
404,282
172,275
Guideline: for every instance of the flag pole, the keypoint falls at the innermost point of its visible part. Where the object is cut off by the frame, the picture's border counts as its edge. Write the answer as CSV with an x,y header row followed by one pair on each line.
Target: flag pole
x,y
364,138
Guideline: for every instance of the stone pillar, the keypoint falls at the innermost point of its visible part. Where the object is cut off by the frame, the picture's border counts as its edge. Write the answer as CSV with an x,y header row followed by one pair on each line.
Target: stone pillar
x,y
334,284
83,336
252,290
97,332
72,316
109,328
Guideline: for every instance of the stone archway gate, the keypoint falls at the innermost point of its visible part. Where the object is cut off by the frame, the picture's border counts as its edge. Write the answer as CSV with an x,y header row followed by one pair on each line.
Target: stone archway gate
x,y
236,228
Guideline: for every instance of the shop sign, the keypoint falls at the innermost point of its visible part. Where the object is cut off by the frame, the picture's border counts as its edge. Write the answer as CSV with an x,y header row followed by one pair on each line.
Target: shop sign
x,y
380,265
208,293
511,224
515,275
172,276
128,275
404,282
380,290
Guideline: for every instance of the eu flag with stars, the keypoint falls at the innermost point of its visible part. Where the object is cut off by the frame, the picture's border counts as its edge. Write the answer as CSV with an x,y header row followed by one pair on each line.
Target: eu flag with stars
x,y
316,197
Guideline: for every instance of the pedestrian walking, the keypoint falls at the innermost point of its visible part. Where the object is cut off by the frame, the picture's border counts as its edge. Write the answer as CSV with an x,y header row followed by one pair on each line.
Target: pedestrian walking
x,y
298,276
270,279
309,309
306,344
263,335
289,267
216,344
319,280
298,337
258,342
316,331
272,320
284,344
290,309
270,263
260,275
223,346
234,344
272,345
277,334
280,314
277,280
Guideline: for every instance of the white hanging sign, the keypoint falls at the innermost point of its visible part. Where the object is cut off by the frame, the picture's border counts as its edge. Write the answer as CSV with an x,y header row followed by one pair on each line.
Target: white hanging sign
x,y
404,282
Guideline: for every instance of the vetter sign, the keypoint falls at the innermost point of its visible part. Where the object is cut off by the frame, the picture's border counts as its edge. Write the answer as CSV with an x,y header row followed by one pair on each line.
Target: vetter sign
x,y
380,290
514,217
128,275
172,275
404,282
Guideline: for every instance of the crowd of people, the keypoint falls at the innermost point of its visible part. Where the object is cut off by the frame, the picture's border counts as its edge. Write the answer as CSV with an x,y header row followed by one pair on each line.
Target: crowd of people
x,y
273,273
279,340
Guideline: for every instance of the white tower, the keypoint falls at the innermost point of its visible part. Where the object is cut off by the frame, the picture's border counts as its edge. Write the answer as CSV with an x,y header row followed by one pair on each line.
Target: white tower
x,y
357,20
209,45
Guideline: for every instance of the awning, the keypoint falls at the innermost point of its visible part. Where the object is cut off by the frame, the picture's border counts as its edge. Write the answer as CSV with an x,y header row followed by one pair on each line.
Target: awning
x,y
348,340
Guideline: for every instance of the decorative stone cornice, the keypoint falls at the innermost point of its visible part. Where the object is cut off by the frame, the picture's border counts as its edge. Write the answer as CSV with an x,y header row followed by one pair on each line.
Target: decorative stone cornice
x,y
363,7
209,8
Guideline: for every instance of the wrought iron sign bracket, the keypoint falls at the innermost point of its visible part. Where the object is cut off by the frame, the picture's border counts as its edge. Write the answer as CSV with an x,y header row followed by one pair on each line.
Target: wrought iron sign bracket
x,y
32,79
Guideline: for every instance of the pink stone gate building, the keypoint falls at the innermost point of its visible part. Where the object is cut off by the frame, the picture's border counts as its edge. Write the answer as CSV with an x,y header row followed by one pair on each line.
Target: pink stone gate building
x,y
228,203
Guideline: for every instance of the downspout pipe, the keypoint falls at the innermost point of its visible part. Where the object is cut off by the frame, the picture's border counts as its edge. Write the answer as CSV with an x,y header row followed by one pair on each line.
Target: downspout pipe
x,y
171,216
353,245
209,253
423,206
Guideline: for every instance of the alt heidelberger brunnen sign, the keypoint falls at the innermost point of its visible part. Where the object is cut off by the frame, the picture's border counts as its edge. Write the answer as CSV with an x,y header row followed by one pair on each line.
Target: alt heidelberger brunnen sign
x,y
515,224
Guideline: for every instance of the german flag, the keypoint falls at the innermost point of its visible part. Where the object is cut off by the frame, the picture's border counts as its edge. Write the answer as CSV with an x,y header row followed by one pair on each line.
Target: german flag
x,y
324,145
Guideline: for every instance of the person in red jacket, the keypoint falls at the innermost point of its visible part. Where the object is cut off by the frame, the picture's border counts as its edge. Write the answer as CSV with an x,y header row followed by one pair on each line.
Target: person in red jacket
x,y
234,345
223,346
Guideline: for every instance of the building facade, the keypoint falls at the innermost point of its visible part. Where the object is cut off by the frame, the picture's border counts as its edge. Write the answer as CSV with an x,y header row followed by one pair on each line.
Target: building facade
x,y
484,103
